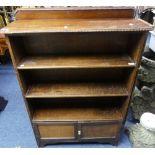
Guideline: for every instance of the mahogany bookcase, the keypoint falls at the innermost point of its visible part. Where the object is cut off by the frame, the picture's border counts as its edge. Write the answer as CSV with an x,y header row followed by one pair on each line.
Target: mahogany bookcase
x,y
76,68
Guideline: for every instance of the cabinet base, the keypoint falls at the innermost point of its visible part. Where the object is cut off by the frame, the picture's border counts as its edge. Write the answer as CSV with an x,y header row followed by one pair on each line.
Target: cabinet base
x,y
112,141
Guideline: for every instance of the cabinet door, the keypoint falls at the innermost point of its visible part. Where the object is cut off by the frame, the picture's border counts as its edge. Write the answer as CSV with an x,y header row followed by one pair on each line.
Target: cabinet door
x,y
56,131
99,130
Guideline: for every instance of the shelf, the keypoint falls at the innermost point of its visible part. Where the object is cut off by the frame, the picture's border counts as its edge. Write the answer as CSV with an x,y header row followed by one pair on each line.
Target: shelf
x,y
76,114
76,25
56,62
64,90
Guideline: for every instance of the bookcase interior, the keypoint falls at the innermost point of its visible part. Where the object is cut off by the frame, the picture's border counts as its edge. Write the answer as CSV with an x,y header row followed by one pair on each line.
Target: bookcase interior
x,y
94,43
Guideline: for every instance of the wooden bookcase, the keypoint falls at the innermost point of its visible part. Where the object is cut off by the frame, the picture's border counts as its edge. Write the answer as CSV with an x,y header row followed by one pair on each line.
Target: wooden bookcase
x,y
76,68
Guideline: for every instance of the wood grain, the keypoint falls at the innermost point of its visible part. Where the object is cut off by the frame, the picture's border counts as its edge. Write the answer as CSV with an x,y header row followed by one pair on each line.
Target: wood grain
x,y
74,12
48,44
99,130
59,131
76,61
76,25
76,90
76,114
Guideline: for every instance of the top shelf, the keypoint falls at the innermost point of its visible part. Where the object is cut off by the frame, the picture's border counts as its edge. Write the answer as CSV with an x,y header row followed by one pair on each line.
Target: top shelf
x,y
59,62
76,25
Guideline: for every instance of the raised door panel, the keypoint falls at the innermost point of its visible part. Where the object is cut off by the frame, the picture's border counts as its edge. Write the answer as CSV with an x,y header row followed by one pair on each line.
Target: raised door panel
x,y
56,131
94,130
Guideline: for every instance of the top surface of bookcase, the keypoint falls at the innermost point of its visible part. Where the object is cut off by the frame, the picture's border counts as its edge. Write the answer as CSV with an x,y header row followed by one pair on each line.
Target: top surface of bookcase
x,y
75,20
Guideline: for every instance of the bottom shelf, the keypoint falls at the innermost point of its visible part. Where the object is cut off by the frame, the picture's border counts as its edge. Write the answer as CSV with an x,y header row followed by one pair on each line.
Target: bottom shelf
x,y
77,114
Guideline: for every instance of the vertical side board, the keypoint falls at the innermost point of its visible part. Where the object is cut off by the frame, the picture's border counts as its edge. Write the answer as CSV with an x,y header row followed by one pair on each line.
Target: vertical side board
x,y
21,83
137,54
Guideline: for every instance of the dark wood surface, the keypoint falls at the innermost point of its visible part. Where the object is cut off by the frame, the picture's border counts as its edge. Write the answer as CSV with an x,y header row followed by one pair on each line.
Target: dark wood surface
x,y
75,12
77,114
77,84
76,90
51,44
76,25
76,61
83,132
99,131
56,131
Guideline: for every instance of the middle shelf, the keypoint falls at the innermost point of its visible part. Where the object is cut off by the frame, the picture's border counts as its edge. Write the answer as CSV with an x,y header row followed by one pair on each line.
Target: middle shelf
x,y
76,61
58,90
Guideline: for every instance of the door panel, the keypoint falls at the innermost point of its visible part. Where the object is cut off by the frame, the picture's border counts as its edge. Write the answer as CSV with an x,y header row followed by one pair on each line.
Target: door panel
x,y
56,131
99,130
